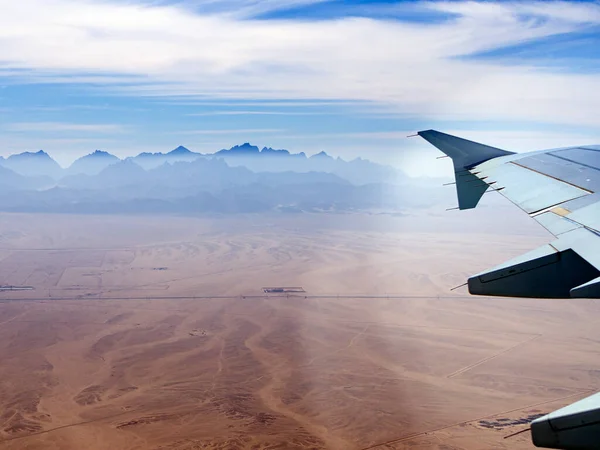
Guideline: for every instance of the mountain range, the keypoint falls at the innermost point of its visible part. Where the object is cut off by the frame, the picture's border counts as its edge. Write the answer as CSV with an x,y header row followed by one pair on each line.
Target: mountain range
x,y
359,170
243,178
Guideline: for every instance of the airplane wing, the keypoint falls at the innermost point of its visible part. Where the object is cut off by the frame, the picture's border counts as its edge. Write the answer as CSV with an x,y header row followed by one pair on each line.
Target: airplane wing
x,y
573,427
559,188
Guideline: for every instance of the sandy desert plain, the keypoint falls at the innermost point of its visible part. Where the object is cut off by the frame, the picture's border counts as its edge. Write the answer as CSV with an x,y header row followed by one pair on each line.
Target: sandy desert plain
x,y
154,333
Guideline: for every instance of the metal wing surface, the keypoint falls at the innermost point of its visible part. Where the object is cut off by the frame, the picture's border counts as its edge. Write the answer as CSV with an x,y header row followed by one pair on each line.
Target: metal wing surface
x,y
560,188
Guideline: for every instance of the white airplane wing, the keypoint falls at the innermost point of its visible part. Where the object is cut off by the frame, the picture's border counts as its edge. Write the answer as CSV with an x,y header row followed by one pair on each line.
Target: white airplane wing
x,y
559,188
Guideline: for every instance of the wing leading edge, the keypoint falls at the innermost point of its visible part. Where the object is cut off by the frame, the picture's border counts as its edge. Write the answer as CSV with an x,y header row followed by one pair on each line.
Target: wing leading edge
x,y
560,189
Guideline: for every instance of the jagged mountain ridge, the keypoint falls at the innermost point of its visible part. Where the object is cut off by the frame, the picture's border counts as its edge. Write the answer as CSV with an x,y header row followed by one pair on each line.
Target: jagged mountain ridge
x,y
267,159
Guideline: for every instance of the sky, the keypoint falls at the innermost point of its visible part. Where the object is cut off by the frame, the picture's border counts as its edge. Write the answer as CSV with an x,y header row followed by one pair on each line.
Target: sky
x,y
352,78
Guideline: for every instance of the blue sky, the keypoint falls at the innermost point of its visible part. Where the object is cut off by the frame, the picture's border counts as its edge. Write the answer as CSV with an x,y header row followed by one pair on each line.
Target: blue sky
x,y
352,78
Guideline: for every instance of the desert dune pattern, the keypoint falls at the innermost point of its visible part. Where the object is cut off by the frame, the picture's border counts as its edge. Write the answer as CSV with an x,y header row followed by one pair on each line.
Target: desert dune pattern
x,y
155,333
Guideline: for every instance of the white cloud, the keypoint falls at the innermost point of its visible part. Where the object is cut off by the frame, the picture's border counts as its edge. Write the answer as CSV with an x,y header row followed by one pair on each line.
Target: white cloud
x,y
232,131
215,51
61,127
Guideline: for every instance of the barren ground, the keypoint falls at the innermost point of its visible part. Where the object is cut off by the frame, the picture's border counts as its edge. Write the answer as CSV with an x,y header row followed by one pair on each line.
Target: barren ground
x,y
147,333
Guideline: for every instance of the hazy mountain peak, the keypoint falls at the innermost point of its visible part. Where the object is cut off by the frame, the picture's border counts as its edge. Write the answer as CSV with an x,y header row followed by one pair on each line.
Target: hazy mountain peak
x,y
93,163
33,164
272,151
321,155
101,153
245,149
25,155
181,150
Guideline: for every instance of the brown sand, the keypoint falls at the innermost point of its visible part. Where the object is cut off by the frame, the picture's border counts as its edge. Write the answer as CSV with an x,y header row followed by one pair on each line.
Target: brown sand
x,y
154,333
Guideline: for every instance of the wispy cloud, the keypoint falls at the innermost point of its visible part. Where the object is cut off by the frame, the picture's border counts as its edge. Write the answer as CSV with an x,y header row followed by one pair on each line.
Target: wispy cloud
x,y
279,103
233,131
256,113
58,127
235,8
207,49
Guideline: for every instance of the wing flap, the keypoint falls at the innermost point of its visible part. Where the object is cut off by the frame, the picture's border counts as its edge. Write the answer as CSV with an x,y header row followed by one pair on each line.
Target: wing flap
x,y
576,426
542,273
568,267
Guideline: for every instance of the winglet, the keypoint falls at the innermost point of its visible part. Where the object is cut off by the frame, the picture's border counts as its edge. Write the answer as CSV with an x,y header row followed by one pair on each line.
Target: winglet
x,y
465,155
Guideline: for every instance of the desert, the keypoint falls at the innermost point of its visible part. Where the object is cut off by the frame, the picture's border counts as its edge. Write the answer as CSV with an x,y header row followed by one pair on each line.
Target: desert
x,y
149,332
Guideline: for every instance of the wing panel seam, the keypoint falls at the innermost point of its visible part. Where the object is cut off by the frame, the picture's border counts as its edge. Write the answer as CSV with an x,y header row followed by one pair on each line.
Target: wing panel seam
x,y
550,176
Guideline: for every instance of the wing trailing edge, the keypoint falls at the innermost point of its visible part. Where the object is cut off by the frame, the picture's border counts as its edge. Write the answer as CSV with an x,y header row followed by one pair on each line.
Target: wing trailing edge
x,y
574,427
465,155
547,272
